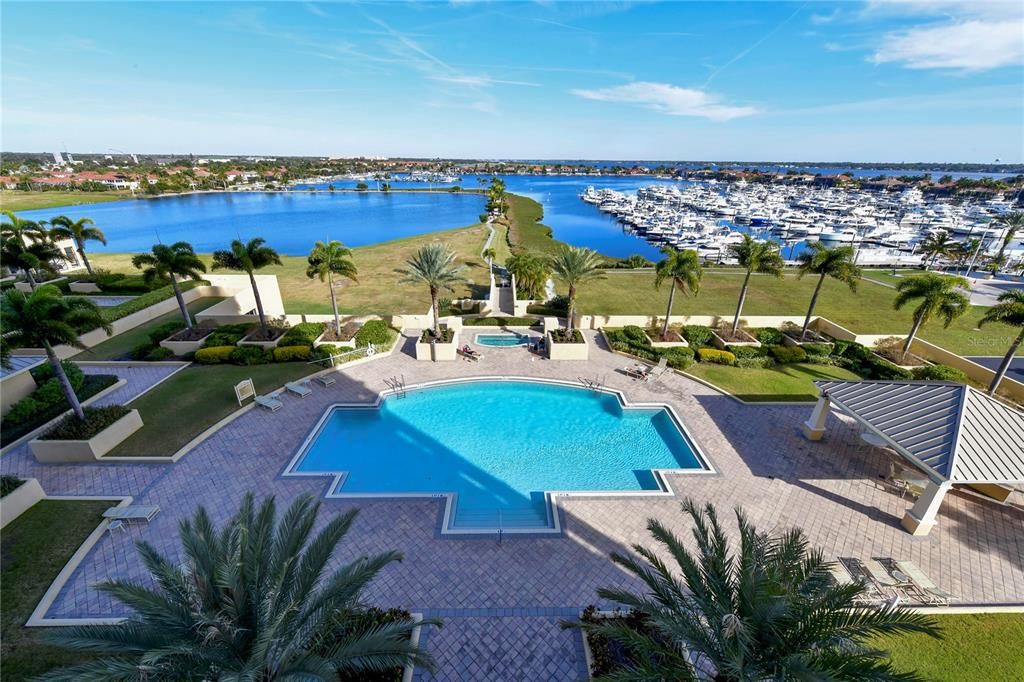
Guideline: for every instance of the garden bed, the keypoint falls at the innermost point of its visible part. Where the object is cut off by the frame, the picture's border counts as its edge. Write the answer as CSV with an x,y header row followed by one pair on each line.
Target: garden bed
x,y
443,348
264,338
723,337
93,384
186,340
76,440
346,339
502,321
792,337
566,344
672,339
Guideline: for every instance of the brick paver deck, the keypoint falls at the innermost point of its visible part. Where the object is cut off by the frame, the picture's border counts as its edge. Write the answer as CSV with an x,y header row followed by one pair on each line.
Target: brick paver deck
x,y
502,602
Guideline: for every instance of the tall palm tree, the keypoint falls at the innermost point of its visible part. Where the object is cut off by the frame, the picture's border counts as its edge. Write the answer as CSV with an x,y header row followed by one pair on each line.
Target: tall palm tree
x,y
434,265
254,600
44,319
248,257
939,295
818,259
531,273
21,228
937,244
79,231
1009,310
767,610
575,266
330,260
1013,222
489,254
683,270
36,256
755,256
167,263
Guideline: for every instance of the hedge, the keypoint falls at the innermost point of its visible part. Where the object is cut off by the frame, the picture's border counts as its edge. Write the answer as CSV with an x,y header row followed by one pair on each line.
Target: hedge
x,y
376,332
145,300
11,430
228,335
788,354
48,393
8,484
717,357
634,341
214,355
742,352
818,349
768,336
501,321
96,419
165,330
697,335
290,353
250,355
939,373
302,334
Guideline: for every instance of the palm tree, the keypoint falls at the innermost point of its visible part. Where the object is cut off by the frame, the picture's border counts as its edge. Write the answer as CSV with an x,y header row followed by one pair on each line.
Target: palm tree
x,y
765,611
1013,222
683,269
489,254
36,256
167,263
575,266
254,600
818,259
20,228
937,244
1009,310
248,257
531,273
939,296
754,256
434,265
328,261
80,231
44,319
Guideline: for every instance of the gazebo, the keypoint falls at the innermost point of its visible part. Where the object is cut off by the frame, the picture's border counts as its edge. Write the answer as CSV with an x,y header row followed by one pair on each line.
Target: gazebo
x,y
953,433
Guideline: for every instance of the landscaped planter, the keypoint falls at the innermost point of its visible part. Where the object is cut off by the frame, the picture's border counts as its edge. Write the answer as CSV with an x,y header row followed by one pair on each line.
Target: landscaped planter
x,y
742,339
247,340
567,351
60,451
189,344
667,344
26,288
811,337
84,288
319,341
20,500
438,352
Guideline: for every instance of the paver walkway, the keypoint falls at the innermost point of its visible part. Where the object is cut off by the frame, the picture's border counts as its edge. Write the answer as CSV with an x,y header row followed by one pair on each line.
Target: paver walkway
x,y
502,602
140,379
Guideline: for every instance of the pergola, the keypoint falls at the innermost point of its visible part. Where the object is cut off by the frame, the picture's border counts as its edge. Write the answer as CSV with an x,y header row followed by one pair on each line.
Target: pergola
x,y
953,433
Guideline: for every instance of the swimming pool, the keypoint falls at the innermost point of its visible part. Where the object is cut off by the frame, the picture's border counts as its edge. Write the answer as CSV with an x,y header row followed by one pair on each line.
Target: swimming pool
x,y
508,340
499,450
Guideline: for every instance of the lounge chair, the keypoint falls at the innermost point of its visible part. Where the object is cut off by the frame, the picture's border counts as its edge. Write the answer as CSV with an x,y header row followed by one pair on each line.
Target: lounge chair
x,y
326,379
116,525
923,586
637,372
657,371
881,576
872,593
299,388
272,404
470,354
143,512
843,577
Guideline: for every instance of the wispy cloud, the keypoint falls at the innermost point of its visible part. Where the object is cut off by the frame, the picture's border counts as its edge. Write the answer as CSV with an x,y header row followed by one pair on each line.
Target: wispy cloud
x,y
818,19
482,81
668,99
972,45
315,10
743,53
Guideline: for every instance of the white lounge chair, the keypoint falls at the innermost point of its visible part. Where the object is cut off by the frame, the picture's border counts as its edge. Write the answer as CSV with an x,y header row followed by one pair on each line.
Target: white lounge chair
x,y
924,587
299,388
140,512
327,379
658,370
272,404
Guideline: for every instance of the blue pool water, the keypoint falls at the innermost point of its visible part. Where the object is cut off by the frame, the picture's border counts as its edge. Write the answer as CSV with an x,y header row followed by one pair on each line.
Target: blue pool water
x,y
498,446
502,340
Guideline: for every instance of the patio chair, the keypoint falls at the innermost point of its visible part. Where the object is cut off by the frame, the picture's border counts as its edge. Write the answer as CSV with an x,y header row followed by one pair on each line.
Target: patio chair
x,y
469,354
141,512
116,525
326,379
272,404
299,388
842,577
923,586
636,372
872,593
657,371
907,480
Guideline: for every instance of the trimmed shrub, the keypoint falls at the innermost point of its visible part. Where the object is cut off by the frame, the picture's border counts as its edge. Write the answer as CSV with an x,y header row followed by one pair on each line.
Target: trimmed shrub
x,y
302,334
697,335
427,336
23,410
165,330
214,355
249,355
747,352
634,334
939,373
881,370
39,414
44,373
96,419
679,357
8,484
817,349
376,332
768,336
51,392
757,362
501,321
140,351
787,354
228,335
559,304
145,300
159,353
716,357
566,336
292,353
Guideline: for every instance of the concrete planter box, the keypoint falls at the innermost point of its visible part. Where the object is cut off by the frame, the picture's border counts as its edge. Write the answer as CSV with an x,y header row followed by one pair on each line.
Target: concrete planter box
x,y
265,345
61,451
26,288
318,341
681,343
84,288
438,352
184,347
721,343
567,351
812,337
18,502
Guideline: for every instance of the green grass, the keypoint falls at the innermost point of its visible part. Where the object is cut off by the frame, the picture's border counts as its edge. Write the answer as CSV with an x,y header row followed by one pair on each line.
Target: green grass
x,y
974,647
35,548
783,382
527,233
869,311
17,200
196,398
118,346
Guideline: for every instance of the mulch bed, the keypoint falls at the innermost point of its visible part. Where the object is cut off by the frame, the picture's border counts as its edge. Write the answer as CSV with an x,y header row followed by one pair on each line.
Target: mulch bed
x,y
271,334
348,330
194,334
673,336
739,337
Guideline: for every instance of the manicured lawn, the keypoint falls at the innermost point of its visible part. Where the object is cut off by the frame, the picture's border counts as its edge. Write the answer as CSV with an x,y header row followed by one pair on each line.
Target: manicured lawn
x,y
35,548
974,647
379,289
196,398
118,346
782,382
16,200
528,233
869,311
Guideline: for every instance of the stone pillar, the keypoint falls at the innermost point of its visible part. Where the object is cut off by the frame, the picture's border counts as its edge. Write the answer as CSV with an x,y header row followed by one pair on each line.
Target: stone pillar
x,y
814,427
920,518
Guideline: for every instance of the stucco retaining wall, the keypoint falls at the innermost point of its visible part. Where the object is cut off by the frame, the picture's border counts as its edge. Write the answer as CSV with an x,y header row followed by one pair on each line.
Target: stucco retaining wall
x,y
983,375
84,288
61,451
567,351
14,387
18,502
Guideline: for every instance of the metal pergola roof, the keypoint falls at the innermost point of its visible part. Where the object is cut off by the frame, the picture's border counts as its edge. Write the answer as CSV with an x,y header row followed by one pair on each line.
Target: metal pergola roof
x,y
952,431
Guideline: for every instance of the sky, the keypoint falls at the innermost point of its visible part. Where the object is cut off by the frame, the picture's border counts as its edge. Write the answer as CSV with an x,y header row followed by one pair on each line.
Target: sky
x,y
890,81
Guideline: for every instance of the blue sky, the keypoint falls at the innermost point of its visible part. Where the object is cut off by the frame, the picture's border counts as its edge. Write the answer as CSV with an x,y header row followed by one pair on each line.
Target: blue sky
x,y
876,81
